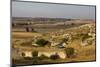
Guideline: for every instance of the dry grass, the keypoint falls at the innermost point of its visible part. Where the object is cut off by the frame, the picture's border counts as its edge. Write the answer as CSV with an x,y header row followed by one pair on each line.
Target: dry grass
x,y
83,53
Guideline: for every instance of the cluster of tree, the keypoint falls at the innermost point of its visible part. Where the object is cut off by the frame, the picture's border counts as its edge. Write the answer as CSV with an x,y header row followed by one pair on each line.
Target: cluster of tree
x,y
70,52
42,57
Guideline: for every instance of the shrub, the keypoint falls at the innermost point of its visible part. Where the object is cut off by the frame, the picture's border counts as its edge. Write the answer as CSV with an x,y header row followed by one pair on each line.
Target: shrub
x,y
43,57
69,51
28,58
64,39
35,53
23,54
72,24
85,36
54,57
41,42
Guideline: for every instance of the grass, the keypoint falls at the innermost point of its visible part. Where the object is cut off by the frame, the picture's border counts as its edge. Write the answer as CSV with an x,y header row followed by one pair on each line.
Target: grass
x,y
83,53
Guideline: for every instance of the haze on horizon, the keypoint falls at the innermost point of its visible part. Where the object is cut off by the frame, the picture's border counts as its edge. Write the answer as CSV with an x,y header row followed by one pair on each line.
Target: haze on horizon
x,y
33,9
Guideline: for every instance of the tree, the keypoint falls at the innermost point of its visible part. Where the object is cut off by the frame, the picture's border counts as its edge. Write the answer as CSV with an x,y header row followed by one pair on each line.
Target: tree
x,y
27,29
54,56
35,53
69,51
42,42
85,36
65,39
72,24
42,57
23,54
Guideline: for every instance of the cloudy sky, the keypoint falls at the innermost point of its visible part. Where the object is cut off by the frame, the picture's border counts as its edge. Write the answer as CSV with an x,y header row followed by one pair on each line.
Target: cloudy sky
x,y
33,9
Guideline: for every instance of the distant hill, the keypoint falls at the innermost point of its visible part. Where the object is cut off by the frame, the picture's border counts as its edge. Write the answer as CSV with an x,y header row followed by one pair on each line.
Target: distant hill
x,y
43,20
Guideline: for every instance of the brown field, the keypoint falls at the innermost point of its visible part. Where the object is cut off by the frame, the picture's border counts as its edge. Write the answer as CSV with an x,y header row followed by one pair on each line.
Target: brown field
x,y
22,41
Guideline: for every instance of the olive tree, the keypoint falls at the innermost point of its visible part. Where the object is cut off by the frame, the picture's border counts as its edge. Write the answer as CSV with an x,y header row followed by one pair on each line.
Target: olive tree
x,y
41,42
35,53
69,51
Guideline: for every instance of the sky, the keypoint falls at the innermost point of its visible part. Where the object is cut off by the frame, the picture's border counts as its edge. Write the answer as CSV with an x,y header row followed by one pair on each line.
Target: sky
x,y
33,9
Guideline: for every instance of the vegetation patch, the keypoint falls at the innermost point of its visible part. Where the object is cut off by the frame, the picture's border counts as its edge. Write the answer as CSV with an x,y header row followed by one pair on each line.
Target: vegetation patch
x,y
41,42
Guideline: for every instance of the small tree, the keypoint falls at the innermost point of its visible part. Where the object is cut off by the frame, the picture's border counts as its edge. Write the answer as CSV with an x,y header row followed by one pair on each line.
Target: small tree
x,y
69,51
27,29
23,54
54,56
41,42
85,36
35,53
43,57
72,24
65,40
28,58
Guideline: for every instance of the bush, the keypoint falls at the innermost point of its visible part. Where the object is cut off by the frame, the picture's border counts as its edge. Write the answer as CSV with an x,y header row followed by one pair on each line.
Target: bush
x,y
35,53
54,57
85,36
41,42
72,23
69,51
43,57
28,58
64,39
23,54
